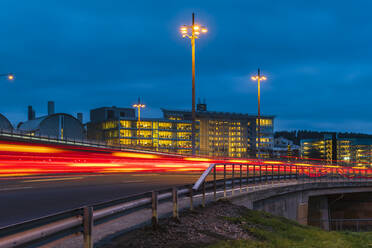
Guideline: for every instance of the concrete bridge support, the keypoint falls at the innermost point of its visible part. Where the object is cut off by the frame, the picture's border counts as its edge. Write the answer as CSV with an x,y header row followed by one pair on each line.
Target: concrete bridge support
x,y
318,214
304,203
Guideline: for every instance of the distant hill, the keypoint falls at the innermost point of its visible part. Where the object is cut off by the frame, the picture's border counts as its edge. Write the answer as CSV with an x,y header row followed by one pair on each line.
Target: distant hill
x,y
297,136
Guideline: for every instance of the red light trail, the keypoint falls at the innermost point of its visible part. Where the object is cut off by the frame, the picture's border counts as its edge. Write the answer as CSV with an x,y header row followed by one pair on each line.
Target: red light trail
x,y
24,159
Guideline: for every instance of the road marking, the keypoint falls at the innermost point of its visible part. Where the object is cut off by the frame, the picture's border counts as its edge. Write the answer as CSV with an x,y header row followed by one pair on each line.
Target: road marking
x,y
8,189
52,179
132,182
144,175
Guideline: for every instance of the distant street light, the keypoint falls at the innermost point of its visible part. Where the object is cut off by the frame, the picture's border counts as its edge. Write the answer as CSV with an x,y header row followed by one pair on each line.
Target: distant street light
x,y
139,106
192,32
258,78
9,76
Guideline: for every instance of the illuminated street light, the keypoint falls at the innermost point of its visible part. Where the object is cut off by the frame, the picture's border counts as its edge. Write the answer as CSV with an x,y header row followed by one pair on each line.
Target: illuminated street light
x,y
9,76
258,78
139,106
192,32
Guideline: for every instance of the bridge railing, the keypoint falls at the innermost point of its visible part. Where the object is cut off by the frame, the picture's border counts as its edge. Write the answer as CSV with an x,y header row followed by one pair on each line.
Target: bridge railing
x,y
218,181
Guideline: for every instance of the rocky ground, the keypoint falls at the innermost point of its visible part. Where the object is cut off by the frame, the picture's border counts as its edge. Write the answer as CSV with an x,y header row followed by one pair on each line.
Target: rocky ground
x,y
198,228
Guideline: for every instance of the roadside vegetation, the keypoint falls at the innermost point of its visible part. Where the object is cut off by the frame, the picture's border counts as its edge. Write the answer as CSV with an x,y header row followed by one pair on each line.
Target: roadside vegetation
x,y
225,225
267,230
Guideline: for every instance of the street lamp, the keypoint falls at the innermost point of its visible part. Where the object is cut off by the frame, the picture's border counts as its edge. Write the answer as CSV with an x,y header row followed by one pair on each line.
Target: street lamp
x,y
9,76
258,78
193,32
139,106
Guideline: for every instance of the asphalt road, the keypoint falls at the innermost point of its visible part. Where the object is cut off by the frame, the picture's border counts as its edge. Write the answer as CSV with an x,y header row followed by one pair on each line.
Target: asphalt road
x,y
27,198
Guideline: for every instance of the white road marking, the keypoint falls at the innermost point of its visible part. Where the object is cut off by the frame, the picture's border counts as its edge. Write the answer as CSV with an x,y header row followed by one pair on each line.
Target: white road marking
x,y
132,182
14,188
52,179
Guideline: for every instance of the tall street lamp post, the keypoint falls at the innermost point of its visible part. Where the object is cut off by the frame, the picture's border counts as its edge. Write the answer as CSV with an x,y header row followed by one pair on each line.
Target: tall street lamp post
x,y
258,78
139,106
192,32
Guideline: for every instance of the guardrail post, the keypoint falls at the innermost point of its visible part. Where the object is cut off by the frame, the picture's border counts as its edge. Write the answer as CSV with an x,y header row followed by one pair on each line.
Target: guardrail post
x,y
241,178
214,182
285,172
224,180
254,175
260,173
266,178
203,199
247,176
88,227
365,175
360,175
191,198
154,218
175,202
232,181
297,173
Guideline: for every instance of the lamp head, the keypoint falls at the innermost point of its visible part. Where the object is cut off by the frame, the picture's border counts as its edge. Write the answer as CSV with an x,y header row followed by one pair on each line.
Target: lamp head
x,y
10,77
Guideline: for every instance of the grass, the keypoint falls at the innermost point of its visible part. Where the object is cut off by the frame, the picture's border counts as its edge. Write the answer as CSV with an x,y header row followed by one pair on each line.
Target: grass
x,y
271,231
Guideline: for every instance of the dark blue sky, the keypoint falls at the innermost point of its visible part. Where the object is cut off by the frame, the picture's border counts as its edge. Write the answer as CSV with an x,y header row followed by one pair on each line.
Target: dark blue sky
x,y
86,54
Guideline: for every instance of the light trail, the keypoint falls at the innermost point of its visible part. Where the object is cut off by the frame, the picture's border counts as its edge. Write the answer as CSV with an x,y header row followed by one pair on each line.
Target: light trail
x,y
25,159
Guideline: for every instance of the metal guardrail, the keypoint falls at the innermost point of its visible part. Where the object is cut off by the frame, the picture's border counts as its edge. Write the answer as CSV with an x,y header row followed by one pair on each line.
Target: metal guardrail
x,y
225,177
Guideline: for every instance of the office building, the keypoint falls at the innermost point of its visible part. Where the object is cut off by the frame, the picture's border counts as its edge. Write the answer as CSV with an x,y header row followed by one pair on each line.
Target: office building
x,y
120,127
228,134
331,148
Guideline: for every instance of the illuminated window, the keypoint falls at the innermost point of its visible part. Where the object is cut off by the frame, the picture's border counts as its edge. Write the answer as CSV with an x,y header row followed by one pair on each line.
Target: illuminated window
x,y
111,134
184,126
165,125
184,144
126,141
144,124
125,133
265,122
109,124
165,143
184,135
175,118
165,135
145,134
125,124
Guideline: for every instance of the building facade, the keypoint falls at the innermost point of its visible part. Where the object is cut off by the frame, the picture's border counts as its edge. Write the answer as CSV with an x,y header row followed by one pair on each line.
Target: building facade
x,y
331,148
54,125
228,134
5,124
285,148
117,127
